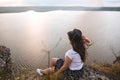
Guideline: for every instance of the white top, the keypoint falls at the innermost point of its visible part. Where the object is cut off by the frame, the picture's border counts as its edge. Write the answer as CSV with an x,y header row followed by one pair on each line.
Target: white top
x,y
76,63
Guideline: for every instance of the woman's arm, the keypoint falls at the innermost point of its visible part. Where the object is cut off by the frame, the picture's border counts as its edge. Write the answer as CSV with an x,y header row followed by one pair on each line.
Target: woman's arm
x,y
86,41
65,65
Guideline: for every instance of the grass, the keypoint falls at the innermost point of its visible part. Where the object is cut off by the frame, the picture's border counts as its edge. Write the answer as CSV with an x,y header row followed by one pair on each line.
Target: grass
x,y
110,70
24,73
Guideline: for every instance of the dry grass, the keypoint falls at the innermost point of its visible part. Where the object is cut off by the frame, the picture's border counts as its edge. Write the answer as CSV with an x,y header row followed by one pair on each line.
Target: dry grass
x,y
26,74
110,70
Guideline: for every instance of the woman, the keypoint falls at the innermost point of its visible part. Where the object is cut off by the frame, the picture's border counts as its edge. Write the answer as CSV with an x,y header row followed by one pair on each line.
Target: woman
x,y
72,66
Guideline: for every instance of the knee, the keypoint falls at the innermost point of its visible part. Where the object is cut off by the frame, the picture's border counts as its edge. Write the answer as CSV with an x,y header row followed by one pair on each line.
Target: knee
x,y
54,60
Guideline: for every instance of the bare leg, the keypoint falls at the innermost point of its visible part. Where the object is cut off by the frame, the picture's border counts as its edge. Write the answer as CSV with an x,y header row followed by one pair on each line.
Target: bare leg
x,y
51,68
53,62
47,70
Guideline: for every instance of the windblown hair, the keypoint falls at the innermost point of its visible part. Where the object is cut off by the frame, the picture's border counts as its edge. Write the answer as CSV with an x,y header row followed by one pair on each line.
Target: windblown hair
x,y
77,43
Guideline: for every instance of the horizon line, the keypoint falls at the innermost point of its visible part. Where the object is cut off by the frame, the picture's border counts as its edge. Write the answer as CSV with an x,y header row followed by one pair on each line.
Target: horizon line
x,y
17,9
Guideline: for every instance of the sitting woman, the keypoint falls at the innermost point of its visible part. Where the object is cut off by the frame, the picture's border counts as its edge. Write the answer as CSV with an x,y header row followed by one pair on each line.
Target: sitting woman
x,y
72,66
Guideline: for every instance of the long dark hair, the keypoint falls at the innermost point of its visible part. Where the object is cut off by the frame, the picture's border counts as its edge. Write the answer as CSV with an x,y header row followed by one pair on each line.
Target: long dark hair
x,y
77,43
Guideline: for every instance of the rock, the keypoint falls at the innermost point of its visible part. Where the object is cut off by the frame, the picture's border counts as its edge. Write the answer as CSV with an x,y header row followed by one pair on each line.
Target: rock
x,y
2,64
90,74
93,74
5,64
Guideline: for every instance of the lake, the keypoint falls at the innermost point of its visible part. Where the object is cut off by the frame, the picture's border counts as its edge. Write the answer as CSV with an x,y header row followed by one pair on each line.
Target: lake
x,y
30,35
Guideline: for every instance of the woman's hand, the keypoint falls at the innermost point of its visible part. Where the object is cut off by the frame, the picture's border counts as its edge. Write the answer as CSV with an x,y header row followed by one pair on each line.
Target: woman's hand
x,y
65,65
87,41
56,74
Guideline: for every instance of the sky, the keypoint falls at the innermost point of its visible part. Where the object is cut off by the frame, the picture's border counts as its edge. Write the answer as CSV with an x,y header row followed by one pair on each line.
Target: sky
x,y
59,2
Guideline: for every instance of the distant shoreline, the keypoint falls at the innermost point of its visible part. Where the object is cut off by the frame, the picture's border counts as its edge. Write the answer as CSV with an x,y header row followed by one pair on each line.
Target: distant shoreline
x,y
52,8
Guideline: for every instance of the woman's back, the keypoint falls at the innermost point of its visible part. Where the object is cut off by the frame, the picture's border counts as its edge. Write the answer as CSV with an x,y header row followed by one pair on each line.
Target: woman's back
x,y
76,63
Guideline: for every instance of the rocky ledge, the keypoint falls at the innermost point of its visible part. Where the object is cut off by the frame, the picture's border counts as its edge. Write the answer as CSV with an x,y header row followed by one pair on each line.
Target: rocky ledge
x,y
91,73
5,64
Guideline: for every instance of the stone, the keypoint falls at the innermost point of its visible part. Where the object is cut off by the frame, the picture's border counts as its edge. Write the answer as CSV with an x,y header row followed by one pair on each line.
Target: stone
x,y
93,74
5,64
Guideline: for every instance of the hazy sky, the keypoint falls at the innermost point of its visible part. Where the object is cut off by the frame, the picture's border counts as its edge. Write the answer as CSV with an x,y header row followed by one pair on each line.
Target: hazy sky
x,y
59,2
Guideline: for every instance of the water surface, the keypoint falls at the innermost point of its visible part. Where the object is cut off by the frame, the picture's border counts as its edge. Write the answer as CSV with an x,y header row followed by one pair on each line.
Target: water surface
x,y
30,35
